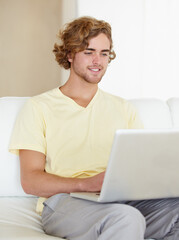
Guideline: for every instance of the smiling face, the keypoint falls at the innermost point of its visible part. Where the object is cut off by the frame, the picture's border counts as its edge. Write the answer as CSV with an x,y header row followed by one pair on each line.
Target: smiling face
x,y
90,65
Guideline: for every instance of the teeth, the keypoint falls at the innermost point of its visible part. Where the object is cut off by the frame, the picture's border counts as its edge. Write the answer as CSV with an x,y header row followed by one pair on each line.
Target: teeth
x,y
95,69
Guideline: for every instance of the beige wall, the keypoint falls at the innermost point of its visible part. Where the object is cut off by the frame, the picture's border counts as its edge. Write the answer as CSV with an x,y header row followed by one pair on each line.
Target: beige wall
x,y
28,30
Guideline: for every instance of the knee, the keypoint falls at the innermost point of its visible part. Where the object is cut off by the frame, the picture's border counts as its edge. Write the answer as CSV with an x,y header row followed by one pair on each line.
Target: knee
x,y
126,218
133,217
135,214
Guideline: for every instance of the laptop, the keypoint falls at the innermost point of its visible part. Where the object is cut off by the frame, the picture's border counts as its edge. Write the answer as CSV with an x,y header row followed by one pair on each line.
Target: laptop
x,y
143,164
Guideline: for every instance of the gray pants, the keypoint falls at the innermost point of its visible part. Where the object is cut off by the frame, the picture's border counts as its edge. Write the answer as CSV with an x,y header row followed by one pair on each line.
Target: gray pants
x,y
77,219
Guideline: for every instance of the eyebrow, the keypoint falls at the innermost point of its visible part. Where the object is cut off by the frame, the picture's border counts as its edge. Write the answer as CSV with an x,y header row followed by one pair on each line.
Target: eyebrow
x,y
92,49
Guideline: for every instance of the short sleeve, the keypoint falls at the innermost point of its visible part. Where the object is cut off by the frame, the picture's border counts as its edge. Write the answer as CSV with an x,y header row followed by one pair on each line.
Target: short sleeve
x,y
134,121
29,129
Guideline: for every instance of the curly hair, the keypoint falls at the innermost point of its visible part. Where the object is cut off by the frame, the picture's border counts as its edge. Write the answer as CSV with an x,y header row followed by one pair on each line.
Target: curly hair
x,y
75,38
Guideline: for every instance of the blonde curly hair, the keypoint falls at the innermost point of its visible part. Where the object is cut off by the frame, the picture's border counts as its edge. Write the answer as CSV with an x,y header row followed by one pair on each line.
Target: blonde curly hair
x,y
75,38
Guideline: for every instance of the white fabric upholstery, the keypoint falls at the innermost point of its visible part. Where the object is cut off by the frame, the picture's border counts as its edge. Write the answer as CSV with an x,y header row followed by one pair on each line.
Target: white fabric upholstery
x,y
18,218
173,104
154,113
9,108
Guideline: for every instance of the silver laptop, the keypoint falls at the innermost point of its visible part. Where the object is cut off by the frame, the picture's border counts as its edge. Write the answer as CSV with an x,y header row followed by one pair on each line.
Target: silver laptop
x,y
143,164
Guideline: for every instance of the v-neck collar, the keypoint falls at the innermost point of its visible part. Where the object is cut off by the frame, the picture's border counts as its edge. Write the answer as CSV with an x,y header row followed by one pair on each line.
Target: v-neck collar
x,y
75,104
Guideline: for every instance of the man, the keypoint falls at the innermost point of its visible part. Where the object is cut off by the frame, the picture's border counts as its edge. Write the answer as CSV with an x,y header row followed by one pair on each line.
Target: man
x,y
64,137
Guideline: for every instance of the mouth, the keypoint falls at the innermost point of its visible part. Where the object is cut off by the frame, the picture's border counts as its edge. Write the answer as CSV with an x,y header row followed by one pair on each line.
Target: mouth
x,y
95,69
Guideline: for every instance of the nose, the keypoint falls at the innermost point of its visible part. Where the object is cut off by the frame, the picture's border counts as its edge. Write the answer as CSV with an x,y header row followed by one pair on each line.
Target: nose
x,y
96,58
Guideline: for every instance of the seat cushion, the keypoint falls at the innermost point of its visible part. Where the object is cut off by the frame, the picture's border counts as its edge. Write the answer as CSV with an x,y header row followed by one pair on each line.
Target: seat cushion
x,y
18,219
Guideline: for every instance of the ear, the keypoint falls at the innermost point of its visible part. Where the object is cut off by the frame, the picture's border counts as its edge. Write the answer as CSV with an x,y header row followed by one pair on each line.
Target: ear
x,y
70,58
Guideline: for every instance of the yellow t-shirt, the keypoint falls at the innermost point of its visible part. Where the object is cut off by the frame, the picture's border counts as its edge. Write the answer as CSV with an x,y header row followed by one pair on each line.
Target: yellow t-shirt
x,y
76,140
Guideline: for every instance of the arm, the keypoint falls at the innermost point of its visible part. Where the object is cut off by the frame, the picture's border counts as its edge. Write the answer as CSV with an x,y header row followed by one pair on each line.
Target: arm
x,y
37,182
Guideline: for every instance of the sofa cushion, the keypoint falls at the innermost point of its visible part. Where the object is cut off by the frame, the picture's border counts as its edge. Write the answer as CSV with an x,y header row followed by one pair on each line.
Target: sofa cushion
x,y
10,176
154,113
173,104
19,220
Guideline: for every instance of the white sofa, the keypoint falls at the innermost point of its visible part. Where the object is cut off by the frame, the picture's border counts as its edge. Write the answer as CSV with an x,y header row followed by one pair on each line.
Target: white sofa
x,y
18,219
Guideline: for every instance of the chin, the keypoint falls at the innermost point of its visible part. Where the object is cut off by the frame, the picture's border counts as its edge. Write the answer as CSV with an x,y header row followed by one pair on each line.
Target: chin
x,y
93,80
96,81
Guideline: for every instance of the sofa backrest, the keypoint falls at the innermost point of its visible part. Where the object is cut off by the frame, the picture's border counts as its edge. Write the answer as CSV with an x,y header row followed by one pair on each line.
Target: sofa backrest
x,y
153,112
9,163
173,104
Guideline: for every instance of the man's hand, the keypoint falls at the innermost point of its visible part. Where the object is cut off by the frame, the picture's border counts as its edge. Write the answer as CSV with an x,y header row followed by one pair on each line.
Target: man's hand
x,y
93,184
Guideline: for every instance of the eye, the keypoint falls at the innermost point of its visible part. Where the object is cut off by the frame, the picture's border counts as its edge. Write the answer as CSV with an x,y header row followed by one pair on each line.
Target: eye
x,y
88,53
105,54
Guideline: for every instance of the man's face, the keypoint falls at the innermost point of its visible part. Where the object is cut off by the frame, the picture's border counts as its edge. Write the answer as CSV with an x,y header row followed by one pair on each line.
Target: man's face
x,y
91,64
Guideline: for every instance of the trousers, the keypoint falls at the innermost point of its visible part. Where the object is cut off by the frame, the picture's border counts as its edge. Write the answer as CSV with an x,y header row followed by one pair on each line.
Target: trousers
x,y
77,219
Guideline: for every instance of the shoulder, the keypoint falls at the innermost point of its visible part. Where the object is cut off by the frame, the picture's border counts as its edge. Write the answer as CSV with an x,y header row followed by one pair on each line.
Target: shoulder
x,y
118,103
110,97
38,104
46,96
43,100
115,99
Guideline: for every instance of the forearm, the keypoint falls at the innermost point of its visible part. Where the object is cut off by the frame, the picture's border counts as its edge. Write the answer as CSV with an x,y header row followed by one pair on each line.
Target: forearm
x,y
43,184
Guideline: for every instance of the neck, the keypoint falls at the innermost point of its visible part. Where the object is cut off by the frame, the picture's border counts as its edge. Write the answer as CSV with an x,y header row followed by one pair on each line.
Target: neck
x,y
81,92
